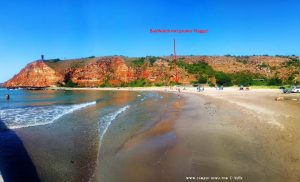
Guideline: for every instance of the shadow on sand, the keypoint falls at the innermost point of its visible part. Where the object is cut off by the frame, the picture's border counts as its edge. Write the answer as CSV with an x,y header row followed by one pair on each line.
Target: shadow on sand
x,y
15,163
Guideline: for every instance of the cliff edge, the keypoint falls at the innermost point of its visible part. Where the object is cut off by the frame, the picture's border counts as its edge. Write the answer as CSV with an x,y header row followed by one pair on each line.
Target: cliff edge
x,y
122,71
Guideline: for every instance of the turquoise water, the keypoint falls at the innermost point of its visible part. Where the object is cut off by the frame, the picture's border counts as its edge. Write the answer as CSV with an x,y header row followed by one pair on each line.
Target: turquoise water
x,y
33,108
81,126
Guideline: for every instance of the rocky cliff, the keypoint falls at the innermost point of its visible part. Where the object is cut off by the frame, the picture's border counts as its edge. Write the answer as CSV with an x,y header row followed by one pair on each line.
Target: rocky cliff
x,y
36,74
118,71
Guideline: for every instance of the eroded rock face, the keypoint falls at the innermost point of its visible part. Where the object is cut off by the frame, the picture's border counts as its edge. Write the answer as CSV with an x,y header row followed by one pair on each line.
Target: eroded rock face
x,y
267,66
116,71
36,74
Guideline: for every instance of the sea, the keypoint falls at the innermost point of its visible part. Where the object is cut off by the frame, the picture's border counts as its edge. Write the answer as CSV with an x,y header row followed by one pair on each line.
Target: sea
x,y
112,115
30,108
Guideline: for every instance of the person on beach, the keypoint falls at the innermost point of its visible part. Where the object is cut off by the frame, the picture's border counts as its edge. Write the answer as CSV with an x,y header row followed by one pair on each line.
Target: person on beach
x,y
7,96
198,88
178,92
241,87
202,88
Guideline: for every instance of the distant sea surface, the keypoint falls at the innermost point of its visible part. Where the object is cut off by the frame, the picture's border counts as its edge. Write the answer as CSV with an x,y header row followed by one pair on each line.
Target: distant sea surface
x,y
32,108
92,119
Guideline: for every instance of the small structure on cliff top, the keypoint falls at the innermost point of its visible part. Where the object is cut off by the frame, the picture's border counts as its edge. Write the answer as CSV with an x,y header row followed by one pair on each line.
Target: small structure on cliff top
x,y
42,57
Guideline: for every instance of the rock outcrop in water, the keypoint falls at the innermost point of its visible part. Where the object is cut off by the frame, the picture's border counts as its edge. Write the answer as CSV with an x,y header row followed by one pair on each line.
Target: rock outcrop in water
x,y
118,71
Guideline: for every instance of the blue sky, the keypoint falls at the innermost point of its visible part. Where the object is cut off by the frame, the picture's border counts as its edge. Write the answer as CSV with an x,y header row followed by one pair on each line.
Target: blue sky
x,y
74,28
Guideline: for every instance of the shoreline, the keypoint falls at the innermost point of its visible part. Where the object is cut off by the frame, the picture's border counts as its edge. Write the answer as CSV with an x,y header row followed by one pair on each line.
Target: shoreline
x,y
215,133
225,134
152,88
248,136
210,91
221,133
139,142
183,89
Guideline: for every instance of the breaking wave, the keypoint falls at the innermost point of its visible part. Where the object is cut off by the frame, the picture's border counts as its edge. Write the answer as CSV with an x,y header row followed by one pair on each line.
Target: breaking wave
x,y
41,115
106,120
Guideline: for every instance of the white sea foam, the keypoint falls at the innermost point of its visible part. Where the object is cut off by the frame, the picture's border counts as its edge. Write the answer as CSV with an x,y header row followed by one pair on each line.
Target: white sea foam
x,y
106,120
33,116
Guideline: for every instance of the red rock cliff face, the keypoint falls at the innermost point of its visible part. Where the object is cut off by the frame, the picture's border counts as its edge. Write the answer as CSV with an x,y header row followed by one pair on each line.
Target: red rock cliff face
x,y
36,74
114,70
267,66
93,72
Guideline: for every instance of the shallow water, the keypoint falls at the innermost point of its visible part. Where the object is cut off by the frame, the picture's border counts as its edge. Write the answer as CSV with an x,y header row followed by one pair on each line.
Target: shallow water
x,y
67,133
30,108
146,136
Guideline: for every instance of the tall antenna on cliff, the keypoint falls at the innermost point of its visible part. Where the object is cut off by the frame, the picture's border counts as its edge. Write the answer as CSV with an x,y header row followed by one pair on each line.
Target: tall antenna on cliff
x,y
175,66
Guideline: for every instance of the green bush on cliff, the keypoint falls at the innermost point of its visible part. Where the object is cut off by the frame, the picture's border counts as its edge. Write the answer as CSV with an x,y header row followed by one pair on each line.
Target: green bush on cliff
x,y
293,62
263,65
172,83
223,79
275,81
245,79
70,83
202,70
152,59
53,60
242,59
137,83
260,82
159,84
202,78
196,68
138,62
106,83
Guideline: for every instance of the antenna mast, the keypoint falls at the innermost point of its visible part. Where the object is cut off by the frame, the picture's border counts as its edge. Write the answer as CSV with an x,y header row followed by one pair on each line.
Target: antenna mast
x,y
175,66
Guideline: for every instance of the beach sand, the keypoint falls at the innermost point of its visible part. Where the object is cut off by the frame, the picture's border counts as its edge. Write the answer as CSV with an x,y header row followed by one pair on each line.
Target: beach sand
x,y
245,135
230,134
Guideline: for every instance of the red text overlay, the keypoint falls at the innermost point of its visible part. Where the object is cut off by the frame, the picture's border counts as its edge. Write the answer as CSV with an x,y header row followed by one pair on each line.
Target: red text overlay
x,y
200,31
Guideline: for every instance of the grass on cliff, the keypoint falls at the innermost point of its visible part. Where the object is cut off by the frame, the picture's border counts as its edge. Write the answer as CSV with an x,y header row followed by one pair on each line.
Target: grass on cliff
x,y
293,62
136,83
62,65
204,73
68,83
139,62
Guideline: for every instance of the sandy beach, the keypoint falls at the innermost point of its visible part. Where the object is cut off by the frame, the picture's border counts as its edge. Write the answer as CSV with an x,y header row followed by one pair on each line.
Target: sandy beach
x,y
212,135
226,134
149,91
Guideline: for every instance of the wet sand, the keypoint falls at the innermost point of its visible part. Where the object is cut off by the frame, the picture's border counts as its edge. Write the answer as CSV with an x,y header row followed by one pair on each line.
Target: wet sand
x,y
67,149
251,136
63,151
245,136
